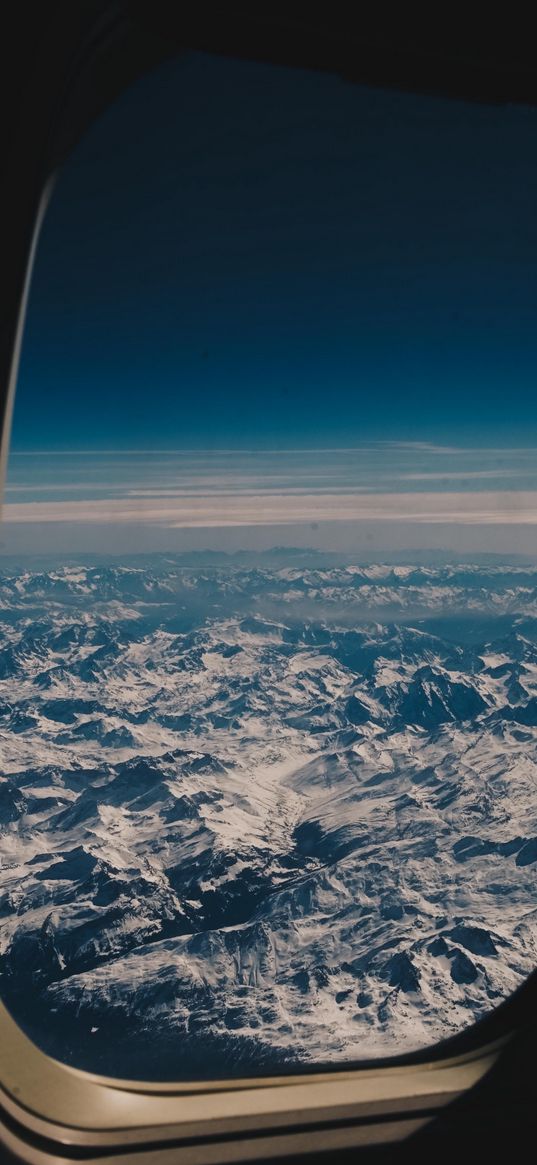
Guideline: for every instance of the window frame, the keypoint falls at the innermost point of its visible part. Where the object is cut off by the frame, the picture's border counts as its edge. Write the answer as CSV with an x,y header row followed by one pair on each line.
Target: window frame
x,y
47,1107
56,1105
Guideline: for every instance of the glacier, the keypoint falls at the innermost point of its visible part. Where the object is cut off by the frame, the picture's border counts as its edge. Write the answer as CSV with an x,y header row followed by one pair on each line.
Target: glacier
x,y
256,815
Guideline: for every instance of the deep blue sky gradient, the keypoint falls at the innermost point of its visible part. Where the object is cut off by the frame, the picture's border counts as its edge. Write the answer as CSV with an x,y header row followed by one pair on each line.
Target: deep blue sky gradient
x,y
243,256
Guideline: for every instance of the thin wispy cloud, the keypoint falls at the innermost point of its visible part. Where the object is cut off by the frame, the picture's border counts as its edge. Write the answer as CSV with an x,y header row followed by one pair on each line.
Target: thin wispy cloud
x,y
259,450
461,475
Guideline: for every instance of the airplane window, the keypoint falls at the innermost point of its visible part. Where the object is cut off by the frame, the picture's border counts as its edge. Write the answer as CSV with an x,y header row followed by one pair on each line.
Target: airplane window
x,y
268,625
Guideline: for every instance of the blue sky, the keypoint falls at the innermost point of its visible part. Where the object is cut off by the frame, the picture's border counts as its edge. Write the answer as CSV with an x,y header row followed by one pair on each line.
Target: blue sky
x,y
241,256
274,303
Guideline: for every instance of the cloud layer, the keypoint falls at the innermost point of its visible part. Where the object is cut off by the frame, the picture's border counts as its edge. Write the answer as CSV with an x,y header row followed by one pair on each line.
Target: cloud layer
x,y
250,508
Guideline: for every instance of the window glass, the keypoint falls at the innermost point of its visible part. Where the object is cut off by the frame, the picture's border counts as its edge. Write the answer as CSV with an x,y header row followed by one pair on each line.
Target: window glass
x,y
268,637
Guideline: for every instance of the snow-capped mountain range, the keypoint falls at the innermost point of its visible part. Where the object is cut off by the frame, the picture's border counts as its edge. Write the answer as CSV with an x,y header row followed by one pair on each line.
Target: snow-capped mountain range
x,y
252,816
